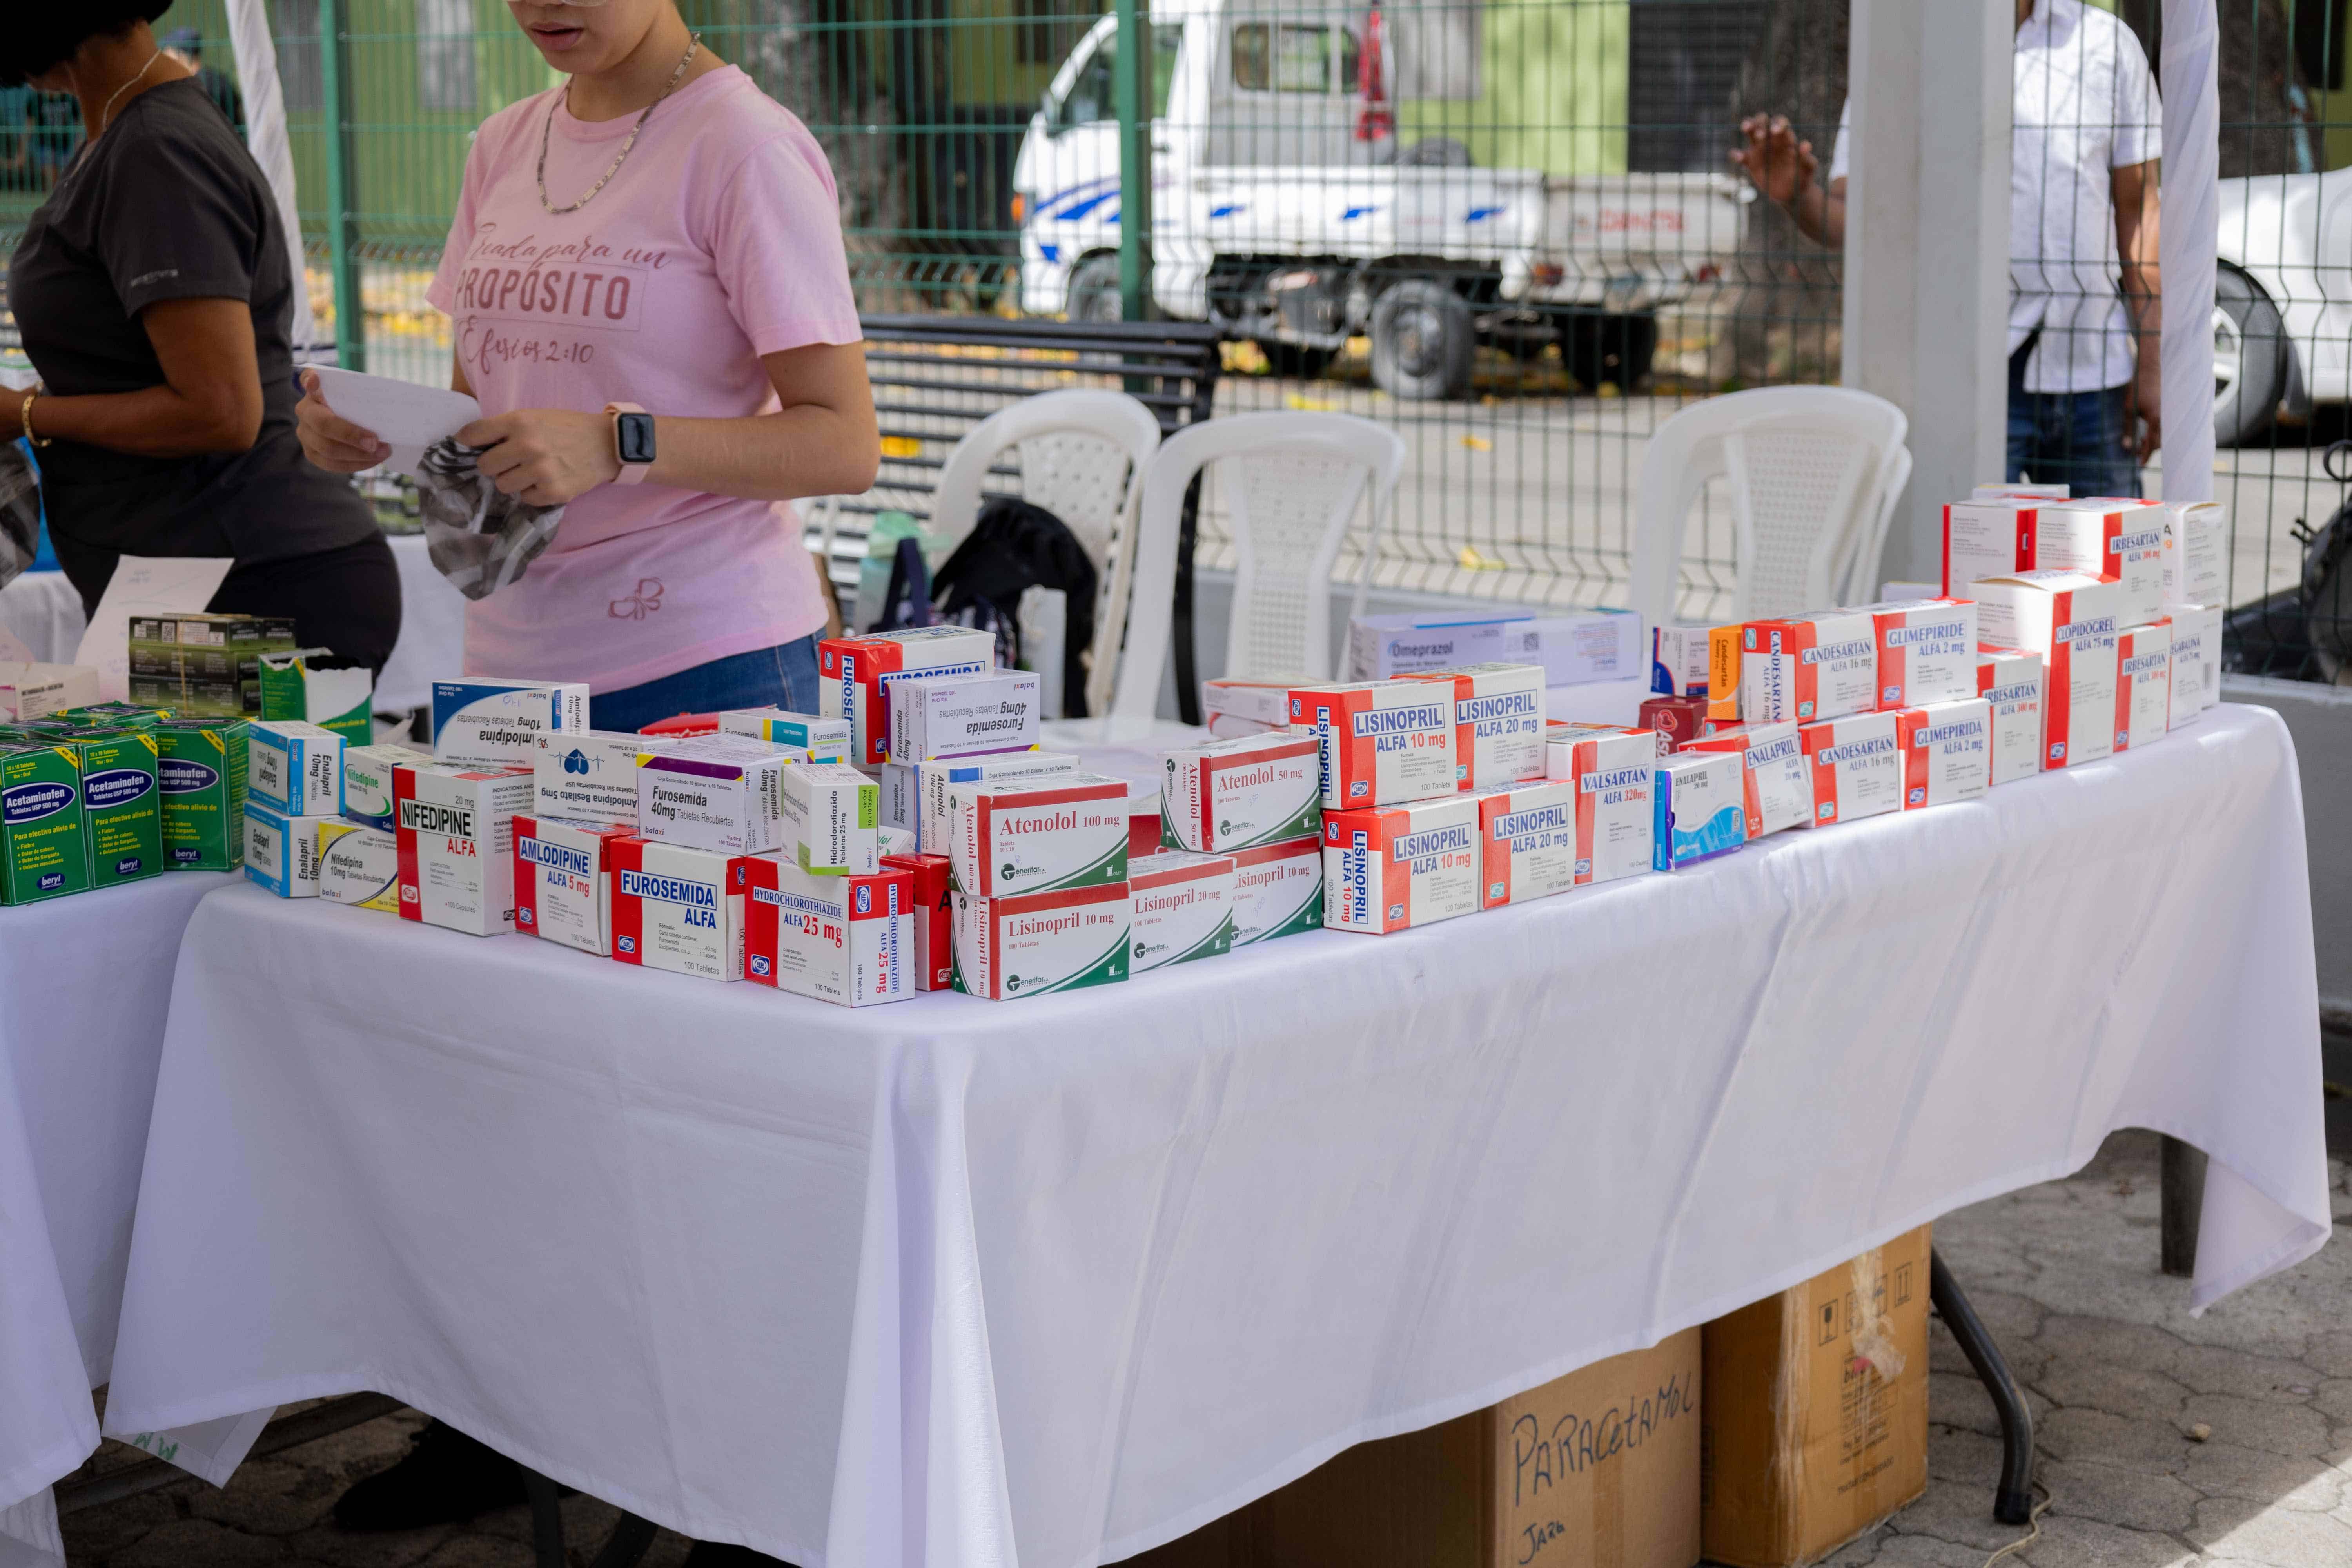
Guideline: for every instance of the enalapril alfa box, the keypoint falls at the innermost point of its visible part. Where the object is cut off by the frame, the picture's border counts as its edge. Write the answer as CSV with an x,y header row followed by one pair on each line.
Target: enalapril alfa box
x,y
1035,836
1808,667
1857,767
1379,742
1946,752
1033,944
2070,619
1701,809
1239,794
1776,778
483,721
847,940
1387,869
1277,890
1527,842
857,672
678,908
455,827
563,881
1180,908
1499,722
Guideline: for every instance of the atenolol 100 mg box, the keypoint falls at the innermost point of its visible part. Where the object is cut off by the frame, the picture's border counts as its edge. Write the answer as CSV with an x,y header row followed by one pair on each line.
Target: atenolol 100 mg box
x,y
1033,944
846,940
1776,778
1527,842
814,738
856,674
1807,667
2070,619
294,767
359,866
483,722
1034,836
456,828
1701,809
937,716
1615,814
1387,869
1946,751
1499,722
1181,908
1236,794
590,775
2143,684
2009,680
678,908
563,881
1927,651
1857,767
1379,742
281,853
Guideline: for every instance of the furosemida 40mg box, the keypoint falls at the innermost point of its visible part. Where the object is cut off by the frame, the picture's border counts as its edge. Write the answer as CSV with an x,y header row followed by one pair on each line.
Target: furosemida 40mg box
x,y
1180,908
1946,751
847,940
1379,743
1387,868
1499,722
359,866
856,674
2009,680
1701,810
721,793
456,830
199,775
1239,794
1277,890
1527,842
1776,778
2071,620
678,908
1034,836
41,831
1035,944
935,716
1857,767
563,880
483,722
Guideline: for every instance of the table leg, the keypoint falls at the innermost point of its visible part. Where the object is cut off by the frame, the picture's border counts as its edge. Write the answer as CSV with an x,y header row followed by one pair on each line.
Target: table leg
x,y
632,1537
2012,1503
2183,1185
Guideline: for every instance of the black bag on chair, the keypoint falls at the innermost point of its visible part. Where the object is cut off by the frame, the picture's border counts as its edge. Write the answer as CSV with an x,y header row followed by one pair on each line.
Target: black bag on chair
x,y
1013,547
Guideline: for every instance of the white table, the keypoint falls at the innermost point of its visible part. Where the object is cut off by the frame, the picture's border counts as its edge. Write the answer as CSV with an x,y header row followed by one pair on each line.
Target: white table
x,y
432,644
950,1283
42,611
85,983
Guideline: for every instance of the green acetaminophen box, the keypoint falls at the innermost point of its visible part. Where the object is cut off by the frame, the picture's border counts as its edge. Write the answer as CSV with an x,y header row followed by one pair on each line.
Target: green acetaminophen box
x,y
200,774
44,848
121,809
119,715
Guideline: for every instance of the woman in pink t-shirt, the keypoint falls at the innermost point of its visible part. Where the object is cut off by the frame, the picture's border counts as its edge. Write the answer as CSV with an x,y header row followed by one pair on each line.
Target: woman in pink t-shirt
x,y
648,295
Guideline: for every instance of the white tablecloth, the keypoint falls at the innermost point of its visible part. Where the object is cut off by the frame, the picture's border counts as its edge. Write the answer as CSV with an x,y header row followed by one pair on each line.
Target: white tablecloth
x,y
950,1283
43,612
84,985
432,644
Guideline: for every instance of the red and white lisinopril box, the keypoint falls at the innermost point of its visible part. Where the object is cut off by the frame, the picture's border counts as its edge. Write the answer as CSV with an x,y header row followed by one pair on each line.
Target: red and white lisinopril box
x,y
1776,777
1499,722
1927,650
1616,802
1033,944
1387,869
2009,680
1806,667
855,674
1379,743
1946,752
678,907
563,881
2143,684
1527,842
1182,909
849,940
2070,619
2107,536
1857,767
455,828
934,968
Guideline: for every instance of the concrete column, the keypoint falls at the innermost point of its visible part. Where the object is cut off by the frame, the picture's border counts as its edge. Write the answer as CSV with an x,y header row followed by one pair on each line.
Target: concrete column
x,y
1927,246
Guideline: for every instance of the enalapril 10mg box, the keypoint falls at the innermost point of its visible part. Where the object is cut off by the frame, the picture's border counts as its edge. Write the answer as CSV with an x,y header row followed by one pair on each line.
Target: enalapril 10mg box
x,y
281,853
294,767
1701,808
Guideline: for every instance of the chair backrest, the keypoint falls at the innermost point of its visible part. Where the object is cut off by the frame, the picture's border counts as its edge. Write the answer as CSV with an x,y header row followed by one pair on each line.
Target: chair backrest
x,y
1291,483
1860,573
1807,467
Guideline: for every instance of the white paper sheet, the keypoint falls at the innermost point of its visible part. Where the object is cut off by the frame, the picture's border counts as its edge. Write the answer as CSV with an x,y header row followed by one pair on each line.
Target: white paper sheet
x,y
409,416
143,586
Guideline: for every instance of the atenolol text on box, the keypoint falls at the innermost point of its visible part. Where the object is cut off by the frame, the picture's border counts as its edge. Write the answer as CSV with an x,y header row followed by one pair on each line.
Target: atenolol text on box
x,y
1238,794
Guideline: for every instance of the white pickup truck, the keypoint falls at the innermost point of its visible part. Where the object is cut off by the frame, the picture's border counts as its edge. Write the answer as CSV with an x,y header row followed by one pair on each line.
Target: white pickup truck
x,y
1289,207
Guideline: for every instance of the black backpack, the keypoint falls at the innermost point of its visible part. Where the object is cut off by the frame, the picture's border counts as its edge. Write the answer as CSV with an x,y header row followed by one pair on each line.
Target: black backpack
x,y
1015,546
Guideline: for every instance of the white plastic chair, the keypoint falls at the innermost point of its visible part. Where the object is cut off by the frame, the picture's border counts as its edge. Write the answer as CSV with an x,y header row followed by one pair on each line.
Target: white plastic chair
x,y
1861,573
1291,483
1808,467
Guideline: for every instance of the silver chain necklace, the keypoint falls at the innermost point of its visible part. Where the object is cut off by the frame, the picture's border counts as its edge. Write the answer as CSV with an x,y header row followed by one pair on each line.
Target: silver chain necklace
x,y
547,130
106,115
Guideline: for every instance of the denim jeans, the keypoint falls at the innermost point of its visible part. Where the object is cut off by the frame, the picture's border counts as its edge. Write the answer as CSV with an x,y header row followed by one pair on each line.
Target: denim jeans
x,y
2075,438
781,676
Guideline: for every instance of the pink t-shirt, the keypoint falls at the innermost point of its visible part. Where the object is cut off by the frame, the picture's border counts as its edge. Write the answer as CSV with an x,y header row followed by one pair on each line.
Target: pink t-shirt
x,y
717,241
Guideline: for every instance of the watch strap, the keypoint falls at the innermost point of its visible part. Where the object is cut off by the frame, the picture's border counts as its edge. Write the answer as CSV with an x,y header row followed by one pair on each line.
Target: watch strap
x,y
631,473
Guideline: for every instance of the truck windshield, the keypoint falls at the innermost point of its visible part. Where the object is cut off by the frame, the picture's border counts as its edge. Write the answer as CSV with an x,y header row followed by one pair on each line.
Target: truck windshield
x,y
1294,57
1094,96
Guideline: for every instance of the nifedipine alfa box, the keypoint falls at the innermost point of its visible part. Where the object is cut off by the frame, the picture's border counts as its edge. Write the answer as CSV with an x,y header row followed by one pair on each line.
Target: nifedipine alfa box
x,y
2196,661
200,774
1277,890
1946,751
30,690
294,767
2196,554
930,886
846,940
1776,781
933,780
456,828
2111,538
1035,945
2009,680
1856,765
856,674
935,716
2143,684
1379,742
563,880
2071,620
831,817
1615,797
1499,722
1678,660
359,866
41,831
366,784
1527,842
1701,809
1387,868
816,739
588,775
1037,834
281,853
678,907
1180,908
483,722
1236,794
721,793
1927,651
1808,667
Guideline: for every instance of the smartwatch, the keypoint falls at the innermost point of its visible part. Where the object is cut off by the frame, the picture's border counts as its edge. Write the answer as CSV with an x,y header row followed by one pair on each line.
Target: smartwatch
x,y
633,442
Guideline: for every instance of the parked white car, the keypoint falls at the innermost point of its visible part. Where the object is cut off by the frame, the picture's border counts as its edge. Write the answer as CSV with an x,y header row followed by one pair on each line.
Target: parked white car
x,y
2282,299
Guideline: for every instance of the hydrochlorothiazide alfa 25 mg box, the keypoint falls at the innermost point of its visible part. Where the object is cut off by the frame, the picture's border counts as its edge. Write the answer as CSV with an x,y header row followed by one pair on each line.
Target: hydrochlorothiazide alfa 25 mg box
x,y
1701,809
483,722
1616,822
1277,890
456,828
1387,869
2143,684
367,781
589,775
855,673
846,940
1034,836
1181,908
1776,779
721,793
1808,667
281,853
1946,751
1236,794
1379,743
2009,680
963,715
1035,945
2070,619
563,881
1499,722
932,782
294,767
359,866
1857,767
816,739
1527,842
678,908
1927,650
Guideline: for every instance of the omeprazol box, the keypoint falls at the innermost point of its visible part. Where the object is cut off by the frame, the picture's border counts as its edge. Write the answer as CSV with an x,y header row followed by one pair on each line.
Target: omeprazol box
x,y
1033,835
563,880
1857,767
831,815
485,723
1499,722
294,767
359,866
2196,660
1701,809
2009,680
1615,820
456,828
678,908
41,828
846,940
721,793
367,781
1526,842
1033,944
963,715
282,852
200,774
1776,779
933,780
1387,869
2143,684
1236,794
586,776
1277,890
1808,667
857,673
817,740
1946,752
1180,908
2071,620
1927,651
1380,742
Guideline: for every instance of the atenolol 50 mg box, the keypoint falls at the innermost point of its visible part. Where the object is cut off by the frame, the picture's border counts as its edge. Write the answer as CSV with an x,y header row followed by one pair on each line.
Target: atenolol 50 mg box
x,y
1857,767
1776,778
1034,836
563,881
678,907
846,940
1387,869
456,828
1946,752
1807,667
1379,742
2009,680
1181,908
1527,842
483,722
1236,794
1033,944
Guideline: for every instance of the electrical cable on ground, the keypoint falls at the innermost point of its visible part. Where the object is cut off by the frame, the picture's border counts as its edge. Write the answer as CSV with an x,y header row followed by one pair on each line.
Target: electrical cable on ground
x,y
2034,1531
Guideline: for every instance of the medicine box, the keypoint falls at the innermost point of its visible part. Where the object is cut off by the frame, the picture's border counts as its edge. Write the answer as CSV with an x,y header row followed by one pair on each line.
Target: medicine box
x,y
41,828
1181,908
678,907
1724,674
1776,778
831,817
299,684
2009,680
933,782
1387,869
367,780
121,809
359,866
200,774
586,776
2196,554
1570,650
2143,684
1379,743
2111,538
963,715
1701,809
1616,823
1034,836
1382,648
456,830
2196,660
1236,794
813,738
721,793
563,880
857,673
294,767
1989,536
845,940
2071,620
2021,488
1678,661
1856,765
1927,651
1499,722
31,690
1527,842
281,853
934,919
1033,944
1946,751
1277,890
483,722
1808,667
1233,707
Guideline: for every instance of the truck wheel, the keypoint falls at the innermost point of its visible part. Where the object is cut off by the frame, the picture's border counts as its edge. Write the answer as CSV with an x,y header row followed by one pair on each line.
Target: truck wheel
x,y
1423,338
1094,290
1597,348
2250,351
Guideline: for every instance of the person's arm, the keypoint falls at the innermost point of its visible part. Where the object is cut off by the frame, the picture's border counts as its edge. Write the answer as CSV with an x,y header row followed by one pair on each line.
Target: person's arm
x,y
2136,215
210,400
1784,169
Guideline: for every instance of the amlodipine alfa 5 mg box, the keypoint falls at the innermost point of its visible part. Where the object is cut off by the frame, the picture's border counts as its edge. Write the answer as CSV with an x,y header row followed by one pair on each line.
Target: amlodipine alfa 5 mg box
x,y
1379,742
1387,869
1808,667
1033,944
845,940
1927,651
1701,809
563,881
1181,908
2009,680
1499,722
1527,842
856,674
2070,619
590,775
455,827
359,866
963,715
678,907
1238,794
1776,778
482,721
1277,890
2143,684
1033,835
1615,804
1857,767
1946,751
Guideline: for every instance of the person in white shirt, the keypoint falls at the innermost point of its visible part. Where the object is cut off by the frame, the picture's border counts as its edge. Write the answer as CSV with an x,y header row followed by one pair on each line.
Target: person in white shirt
x,y
2085,309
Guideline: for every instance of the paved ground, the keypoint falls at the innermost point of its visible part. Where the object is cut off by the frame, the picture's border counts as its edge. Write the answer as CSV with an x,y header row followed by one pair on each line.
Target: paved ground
x,y
2122,1379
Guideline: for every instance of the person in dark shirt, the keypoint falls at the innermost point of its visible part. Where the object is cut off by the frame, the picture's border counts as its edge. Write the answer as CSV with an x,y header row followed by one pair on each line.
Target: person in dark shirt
x,y
155,293
186,46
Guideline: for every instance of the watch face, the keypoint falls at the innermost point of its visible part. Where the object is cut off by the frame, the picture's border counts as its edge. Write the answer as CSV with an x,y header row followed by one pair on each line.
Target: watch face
x,y
635,433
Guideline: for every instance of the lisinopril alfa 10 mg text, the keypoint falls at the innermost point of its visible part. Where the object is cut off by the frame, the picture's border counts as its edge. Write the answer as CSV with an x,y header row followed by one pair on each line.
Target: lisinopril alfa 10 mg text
x,y
1391,868
1379,742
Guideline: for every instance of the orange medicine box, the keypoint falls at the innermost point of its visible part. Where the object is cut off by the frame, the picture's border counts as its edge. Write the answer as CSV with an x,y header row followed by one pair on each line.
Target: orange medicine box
x,y
1393,867
1379,743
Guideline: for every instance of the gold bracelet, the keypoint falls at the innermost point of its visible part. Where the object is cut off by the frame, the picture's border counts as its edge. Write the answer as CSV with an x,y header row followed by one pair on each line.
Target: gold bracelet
x,y
25,417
